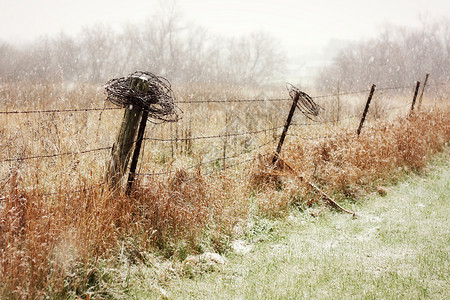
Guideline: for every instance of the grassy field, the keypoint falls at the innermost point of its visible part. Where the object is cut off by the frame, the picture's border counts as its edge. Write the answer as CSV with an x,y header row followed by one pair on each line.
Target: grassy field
x,y
396,247
63,234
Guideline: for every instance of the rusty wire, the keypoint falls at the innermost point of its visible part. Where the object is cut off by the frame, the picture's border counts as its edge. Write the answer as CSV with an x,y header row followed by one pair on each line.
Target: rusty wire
x,y
305,103
157,98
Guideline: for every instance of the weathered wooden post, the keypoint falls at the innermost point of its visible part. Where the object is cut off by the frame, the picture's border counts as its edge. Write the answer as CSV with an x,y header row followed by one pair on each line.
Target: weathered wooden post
x,y
366,109
423,89
137,150
122,147
141,84
416,91
121,152
143,95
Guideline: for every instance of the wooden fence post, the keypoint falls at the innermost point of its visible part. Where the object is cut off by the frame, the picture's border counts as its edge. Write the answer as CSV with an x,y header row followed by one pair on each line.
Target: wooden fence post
x,y
137,150
366,109
121,151
286,126
423,89
416,91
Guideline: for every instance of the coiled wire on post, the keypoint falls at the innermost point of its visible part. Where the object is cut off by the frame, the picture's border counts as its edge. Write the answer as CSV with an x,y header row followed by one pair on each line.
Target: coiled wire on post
x,y
156,97
305,103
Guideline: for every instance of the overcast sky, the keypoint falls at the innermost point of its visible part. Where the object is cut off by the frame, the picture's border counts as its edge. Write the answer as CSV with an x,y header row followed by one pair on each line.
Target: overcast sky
x,y
301,26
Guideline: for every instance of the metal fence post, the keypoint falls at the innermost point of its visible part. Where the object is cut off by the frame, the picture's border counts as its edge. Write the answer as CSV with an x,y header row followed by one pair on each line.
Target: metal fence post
x,y
286,126
416,91
366,109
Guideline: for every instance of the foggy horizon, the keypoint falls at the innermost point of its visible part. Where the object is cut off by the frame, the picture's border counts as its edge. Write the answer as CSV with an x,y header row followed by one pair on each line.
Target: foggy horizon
x,y
300,27
305,37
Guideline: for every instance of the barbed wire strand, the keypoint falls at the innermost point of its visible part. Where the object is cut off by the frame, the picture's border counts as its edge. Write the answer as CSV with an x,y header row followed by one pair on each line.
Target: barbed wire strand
x,y
206,162
226,135
236,164
55,154
69,110
233,101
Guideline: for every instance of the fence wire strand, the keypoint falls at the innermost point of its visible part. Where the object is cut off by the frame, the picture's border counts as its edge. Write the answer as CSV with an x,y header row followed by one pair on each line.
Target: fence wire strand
x,y
225,135
55,155
208,162
69,110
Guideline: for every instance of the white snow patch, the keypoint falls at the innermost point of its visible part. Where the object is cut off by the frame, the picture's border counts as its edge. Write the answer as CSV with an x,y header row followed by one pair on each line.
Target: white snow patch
x,y
241,247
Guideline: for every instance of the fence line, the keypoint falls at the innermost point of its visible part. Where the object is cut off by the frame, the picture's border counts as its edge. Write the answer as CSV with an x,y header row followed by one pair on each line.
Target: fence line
x,y
93,109
226,135
146,138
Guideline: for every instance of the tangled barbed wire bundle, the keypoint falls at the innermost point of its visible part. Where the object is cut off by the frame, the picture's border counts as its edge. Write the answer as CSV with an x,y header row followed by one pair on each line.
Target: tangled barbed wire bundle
x,y
305,103
146,92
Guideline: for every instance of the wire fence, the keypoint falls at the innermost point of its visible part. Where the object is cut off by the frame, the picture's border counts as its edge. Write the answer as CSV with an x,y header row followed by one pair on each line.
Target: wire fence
x,y
240,135
208,101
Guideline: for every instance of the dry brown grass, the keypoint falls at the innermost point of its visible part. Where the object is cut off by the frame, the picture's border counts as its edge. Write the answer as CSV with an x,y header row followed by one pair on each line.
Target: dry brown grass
x,y
53,244
347,159
348,166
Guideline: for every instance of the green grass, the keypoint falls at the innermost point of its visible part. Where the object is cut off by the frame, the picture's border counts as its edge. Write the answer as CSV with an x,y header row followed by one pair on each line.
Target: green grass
x,y
397,247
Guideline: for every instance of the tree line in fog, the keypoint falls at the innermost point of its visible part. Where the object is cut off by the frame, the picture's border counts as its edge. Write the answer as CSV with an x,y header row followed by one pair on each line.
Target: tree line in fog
x,y
165,45
396,57
185,53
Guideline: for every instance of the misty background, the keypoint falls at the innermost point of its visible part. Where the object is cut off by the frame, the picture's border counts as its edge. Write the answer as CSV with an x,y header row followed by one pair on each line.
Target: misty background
x,y
167,42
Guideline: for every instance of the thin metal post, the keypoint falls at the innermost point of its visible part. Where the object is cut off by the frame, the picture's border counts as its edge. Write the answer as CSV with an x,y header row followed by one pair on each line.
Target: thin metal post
x,y
366,109
416,91
286,126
